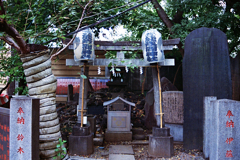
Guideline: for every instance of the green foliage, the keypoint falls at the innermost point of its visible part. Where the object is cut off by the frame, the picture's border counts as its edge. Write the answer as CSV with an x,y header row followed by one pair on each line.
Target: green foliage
x,y
11,67
61,149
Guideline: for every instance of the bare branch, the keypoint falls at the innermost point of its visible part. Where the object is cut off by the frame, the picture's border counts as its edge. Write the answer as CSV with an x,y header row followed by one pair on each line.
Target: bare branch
x,y
162,14
11,42
79,4
79,24
11,31
5,87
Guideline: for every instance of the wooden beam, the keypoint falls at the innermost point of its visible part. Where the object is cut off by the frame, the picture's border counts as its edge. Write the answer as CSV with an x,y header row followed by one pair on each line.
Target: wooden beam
x,y
130,43
125,62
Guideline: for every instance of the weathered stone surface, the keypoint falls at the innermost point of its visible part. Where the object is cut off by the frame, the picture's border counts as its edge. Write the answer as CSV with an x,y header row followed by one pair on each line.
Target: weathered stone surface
x,y
29,57
120,156
81,145
206,72
48,117
50,137
48,145
48,153
120,149
38,68
48,103
49,123
176,130
49,88
161,146
42,96
167,85
39,76
118,136
207,121
24,128
47,110
49,130
173,106
35,61
44,81
45,100
224,130
150,119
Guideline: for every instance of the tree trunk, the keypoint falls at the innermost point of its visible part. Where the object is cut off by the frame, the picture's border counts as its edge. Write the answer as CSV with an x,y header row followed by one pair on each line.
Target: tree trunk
x,y
42,84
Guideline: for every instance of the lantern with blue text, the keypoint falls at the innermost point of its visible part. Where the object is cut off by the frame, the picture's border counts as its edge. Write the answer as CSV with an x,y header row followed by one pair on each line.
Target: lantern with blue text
x,y
152,46
83,45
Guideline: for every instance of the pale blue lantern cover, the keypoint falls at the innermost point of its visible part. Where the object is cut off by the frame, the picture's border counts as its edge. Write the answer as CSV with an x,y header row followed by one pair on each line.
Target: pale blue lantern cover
x,y
83,45
152,46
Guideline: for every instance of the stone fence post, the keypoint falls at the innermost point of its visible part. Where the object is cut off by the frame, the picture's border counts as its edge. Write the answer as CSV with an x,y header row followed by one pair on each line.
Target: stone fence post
x,y
24,128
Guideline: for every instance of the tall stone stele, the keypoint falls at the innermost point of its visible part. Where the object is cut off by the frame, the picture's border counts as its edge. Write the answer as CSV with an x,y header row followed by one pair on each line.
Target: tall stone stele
x,y
206,72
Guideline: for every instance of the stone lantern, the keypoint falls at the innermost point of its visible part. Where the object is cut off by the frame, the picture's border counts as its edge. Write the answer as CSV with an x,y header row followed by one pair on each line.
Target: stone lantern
x,y
152,46
84,45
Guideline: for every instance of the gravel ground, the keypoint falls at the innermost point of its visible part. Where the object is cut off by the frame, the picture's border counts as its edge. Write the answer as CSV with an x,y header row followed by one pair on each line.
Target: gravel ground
x,y
141,152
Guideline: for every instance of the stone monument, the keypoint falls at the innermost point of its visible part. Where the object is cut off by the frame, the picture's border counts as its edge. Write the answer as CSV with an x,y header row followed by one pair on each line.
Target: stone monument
x,y
173,113
206,72
24,127
223,129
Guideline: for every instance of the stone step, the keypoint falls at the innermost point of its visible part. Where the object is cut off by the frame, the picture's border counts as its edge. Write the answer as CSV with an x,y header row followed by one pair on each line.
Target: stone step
x,y
139,142
121,149
121,157
137,131
139,137
98,141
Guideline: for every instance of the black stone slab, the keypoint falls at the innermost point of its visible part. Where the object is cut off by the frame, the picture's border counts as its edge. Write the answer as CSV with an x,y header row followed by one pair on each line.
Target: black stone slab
x,y
206,72
4,133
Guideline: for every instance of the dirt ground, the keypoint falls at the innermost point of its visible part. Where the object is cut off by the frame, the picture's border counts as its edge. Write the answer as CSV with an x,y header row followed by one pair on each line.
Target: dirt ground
x,y
141,152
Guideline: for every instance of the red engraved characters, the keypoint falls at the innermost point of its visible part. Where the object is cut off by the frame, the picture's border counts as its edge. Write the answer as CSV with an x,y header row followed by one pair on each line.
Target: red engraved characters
x,y
229,140
229,114
20,120
20,150
20,111
20,137
229,154
230,123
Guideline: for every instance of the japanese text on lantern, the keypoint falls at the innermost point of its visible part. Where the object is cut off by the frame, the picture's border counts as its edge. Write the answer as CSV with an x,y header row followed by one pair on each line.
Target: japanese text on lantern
x,y
20,121
229,140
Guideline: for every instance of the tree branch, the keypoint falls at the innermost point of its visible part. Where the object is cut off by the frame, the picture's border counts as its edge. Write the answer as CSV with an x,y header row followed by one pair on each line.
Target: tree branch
x,y
164,17
5,87
79,24
19,44
11,42
162,14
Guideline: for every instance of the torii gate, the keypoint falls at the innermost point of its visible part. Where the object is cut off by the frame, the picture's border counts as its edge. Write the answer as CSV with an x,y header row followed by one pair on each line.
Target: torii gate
x,y
120,61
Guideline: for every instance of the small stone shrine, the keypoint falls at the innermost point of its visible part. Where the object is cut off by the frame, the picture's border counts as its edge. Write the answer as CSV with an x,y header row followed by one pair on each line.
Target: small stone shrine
x,y
118,122
206,72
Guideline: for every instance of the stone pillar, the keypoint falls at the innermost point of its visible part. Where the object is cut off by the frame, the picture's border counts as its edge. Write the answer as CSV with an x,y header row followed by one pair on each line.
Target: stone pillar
x,y
224,129
24,127
207,119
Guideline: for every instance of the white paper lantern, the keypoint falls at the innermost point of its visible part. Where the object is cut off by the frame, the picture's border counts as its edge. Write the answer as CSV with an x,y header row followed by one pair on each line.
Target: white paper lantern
x,y
84,45
152,46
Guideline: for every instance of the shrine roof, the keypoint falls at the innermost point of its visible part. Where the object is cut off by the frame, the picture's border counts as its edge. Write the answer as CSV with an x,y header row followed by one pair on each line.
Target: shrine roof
x,y
117,98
